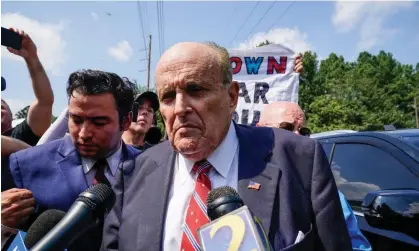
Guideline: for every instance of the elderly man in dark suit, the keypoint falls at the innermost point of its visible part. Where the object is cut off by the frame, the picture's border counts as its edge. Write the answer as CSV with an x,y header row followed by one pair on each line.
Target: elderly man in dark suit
x,y
157,202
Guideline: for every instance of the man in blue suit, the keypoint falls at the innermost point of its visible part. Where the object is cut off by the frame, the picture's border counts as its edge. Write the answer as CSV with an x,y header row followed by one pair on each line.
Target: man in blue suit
x,y
55,173
161,203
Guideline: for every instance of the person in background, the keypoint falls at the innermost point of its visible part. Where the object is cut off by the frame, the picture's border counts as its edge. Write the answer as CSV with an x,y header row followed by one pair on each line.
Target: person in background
x,y
40,111
289,116
296,194
57,172
137,132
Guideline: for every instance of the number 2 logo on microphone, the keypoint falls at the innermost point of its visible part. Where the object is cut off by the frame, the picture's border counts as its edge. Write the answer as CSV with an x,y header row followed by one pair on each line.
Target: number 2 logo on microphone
x,y
232,232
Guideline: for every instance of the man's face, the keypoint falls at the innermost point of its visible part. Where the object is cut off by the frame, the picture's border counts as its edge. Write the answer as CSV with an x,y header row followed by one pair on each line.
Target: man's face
x,y
195,106
6,116
94,124
144,118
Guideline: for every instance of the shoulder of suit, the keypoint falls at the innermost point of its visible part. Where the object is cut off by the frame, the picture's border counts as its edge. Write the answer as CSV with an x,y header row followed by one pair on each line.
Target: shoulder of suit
x,y
43,149
158,152
289,139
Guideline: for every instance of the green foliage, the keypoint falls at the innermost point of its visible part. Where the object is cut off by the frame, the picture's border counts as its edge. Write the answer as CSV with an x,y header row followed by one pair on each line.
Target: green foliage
x,y
373,91
23,113
53,118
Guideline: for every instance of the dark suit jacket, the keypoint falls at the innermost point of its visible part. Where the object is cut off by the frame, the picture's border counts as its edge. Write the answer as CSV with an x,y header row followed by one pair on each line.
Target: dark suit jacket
x,y
298,193
54,174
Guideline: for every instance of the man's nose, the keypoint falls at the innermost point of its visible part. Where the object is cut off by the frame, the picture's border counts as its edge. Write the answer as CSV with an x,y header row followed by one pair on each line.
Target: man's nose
x,y
181,105
85,131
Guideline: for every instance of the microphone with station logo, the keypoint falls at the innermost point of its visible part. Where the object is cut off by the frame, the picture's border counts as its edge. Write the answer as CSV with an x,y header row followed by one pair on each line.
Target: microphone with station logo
x,y
233,226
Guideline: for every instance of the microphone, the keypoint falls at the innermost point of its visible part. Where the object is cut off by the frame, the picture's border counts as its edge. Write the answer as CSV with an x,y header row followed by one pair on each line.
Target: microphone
x,y
87,211
233,226
40,227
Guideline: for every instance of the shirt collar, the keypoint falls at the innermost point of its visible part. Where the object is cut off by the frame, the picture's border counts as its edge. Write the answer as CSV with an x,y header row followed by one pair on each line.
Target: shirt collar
x,y
223,155
113,161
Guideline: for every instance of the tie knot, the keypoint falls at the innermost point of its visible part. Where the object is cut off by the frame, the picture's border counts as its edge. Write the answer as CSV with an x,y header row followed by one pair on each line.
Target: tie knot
x,y
101,164
202,167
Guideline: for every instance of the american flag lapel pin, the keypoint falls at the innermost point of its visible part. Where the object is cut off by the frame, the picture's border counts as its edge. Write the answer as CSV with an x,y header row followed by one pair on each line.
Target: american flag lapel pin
x,y
253,185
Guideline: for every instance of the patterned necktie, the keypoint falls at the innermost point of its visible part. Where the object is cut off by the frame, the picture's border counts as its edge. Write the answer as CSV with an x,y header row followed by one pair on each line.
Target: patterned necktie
x,y
100,167
197,209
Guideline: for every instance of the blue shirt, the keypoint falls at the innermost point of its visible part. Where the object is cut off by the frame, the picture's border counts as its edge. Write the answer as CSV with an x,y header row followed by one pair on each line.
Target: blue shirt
x,y
359,242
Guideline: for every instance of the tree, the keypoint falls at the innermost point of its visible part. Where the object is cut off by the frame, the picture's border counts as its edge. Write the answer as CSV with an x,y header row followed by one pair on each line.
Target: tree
x,y
367,94
23,113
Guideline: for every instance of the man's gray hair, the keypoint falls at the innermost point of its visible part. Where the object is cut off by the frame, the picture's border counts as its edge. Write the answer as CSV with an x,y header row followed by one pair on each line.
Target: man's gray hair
x,y
224,62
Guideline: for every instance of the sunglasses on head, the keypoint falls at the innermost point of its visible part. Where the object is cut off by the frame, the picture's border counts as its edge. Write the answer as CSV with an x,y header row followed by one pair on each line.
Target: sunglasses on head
x,y
304,131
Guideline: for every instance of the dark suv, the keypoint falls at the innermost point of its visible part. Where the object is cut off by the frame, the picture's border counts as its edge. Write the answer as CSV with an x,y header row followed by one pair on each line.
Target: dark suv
x,y
378,172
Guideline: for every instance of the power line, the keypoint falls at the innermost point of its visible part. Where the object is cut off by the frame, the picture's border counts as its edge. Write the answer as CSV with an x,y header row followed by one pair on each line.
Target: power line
x,y
282,14
247,18
146,17
263,16
159,27
229,17
162,26
142,25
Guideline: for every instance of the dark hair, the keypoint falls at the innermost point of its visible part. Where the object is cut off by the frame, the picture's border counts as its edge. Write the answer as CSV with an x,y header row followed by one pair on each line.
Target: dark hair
x,y
90,82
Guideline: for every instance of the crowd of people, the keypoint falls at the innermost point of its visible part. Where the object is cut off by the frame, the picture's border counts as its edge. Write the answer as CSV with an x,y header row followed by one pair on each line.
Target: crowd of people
x,y
161,183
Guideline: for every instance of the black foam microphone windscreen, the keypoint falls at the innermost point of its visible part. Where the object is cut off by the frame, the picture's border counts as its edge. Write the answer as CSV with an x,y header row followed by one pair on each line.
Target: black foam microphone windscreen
x,y
42,225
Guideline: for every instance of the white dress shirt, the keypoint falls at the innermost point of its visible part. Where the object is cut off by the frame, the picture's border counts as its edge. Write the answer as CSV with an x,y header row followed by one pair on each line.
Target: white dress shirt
x,y
113,162
225,173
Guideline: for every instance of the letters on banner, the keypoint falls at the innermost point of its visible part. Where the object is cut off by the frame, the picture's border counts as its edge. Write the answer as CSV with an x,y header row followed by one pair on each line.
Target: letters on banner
x,y
265,75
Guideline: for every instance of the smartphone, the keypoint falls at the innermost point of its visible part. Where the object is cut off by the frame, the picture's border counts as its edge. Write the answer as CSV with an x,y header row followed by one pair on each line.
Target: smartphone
x,y
11,39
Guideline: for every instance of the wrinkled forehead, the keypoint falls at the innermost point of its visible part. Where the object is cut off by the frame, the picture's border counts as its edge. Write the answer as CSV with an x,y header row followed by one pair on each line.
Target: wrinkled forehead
x,y
195,63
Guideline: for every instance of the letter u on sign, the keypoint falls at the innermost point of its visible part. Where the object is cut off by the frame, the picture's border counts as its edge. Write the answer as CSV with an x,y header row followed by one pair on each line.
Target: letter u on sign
x,y
235,231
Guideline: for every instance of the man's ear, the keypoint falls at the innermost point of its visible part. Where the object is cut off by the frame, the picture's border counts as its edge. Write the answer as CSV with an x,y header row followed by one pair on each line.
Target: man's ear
x,y
126,122
257,124
233,92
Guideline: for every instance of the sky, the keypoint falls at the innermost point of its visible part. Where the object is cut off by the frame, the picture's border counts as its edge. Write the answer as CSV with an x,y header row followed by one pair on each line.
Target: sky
x,y
108,36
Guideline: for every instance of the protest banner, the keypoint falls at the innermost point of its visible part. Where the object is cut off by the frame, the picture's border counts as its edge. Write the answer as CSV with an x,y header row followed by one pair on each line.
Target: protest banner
x,y
265,75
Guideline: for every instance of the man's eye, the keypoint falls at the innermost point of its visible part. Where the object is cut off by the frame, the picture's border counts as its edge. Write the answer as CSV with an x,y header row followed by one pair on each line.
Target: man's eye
x,y
76,120
193,88
99,122
168,95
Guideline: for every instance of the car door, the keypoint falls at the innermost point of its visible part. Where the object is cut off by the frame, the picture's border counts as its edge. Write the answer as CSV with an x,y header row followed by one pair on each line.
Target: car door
x,y
363,164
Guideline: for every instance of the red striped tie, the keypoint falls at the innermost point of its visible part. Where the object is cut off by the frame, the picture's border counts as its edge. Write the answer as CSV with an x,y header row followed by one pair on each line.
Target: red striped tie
x,y
197,209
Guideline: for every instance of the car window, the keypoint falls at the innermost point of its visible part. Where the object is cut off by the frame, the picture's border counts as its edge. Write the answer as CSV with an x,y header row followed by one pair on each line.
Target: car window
x,y
361,168
327,147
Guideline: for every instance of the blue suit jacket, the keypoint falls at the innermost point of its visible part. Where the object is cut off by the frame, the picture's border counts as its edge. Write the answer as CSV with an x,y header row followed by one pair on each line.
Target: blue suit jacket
x,y
53,172
298,193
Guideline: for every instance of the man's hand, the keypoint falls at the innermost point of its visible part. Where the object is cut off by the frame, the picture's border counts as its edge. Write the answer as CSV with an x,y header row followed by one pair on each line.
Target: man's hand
x,y
16,206
28,49
299,63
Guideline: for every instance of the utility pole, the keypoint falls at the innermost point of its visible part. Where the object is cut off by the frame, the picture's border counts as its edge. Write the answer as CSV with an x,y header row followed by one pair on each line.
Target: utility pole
x,y
149,62
416,113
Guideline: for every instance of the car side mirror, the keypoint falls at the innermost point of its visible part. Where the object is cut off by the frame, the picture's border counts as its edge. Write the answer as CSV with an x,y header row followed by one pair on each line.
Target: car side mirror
x,y
396,210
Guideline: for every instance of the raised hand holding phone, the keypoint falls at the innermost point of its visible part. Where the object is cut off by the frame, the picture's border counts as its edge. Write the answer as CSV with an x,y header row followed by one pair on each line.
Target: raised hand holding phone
x,y
28,49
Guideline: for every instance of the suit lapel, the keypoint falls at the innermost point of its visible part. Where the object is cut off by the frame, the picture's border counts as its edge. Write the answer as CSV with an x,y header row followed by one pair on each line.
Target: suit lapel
x,y
70,166
158,180
255,150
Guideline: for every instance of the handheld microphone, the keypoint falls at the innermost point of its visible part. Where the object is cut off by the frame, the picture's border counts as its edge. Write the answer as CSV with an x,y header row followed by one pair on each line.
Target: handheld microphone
x,y
88,210
40,227
233,226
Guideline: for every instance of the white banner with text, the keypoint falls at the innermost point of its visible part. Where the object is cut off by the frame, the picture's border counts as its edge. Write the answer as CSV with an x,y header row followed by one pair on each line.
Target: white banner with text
x,y
265,75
